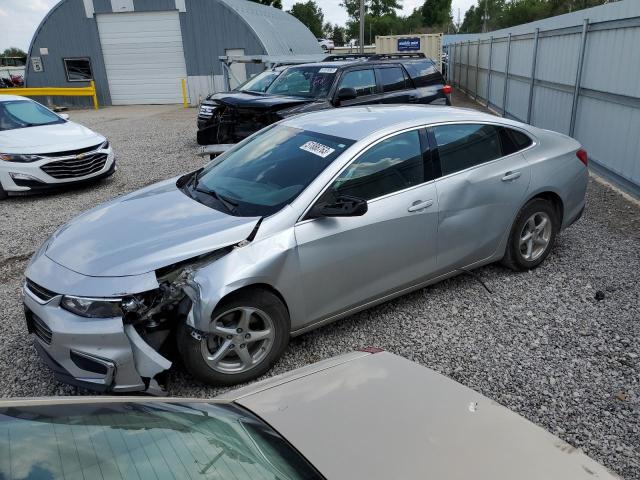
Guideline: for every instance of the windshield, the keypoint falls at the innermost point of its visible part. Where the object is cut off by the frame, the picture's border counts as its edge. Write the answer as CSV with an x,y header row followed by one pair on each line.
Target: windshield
x,y
25,113
259,83
114,441
306,82
268,171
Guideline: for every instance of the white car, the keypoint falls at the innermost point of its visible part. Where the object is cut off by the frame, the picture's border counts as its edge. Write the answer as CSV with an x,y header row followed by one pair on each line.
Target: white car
x,y
326,44
40,149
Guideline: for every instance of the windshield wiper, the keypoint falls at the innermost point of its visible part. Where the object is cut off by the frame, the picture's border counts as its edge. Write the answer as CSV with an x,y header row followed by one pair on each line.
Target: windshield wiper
x,y
229,204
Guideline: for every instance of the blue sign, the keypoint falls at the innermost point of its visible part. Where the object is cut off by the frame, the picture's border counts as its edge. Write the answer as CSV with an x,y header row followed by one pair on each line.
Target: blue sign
x,y
408,44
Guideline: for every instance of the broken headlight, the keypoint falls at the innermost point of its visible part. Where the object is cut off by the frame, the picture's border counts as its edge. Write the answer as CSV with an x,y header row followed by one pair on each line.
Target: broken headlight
x,y
92,307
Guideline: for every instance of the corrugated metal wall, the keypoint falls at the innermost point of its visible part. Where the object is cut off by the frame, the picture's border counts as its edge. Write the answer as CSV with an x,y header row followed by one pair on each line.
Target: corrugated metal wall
x,y
209,28
568,73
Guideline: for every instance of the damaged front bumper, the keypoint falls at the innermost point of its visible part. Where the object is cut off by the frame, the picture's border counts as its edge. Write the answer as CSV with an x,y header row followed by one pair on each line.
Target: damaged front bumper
x,y
100,354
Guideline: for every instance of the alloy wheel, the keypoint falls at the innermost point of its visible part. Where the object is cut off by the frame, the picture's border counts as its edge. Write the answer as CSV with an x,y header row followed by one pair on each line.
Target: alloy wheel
x,y
535,236
238,340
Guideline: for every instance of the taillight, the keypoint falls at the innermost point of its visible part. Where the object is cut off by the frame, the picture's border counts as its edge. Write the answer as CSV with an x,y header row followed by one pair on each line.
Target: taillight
x,y
447,90
582,155
370,350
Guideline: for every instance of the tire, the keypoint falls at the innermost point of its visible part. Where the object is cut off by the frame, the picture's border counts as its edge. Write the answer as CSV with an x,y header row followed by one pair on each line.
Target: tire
x,y
206,359
524,254
3,193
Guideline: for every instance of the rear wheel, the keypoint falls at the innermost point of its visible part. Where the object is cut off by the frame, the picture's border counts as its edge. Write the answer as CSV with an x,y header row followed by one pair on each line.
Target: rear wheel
x,y
532,235
248,332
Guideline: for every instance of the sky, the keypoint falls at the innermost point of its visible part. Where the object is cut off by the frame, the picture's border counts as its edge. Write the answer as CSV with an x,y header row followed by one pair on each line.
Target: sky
x,y
20,18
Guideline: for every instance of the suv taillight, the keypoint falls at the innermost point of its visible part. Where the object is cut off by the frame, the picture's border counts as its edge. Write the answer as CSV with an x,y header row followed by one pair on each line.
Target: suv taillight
x,y
582,155
447,89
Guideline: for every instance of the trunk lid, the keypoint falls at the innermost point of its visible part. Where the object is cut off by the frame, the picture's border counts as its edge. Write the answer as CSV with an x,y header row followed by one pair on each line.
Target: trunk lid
x,y
380,416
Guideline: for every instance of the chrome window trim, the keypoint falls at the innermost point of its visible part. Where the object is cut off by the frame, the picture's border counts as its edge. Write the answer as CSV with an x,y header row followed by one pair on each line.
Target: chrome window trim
x,y
355,157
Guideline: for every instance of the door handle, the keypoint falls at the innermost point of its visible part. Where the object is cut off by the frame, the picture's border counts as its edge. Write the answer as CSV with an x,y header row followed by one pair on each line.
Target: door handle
x,y
510,176
420,205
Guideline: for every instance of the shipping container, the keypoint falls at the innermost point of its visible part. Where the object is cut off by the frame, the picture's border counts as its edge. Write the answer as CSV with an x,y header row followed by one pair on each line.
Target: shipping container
x,y
428,43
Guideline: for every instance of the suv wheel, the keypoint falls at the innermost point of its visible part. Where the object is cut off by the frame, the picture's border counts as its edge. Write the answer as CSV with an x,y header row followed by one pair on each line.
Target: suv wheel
x,y
532,235
249,331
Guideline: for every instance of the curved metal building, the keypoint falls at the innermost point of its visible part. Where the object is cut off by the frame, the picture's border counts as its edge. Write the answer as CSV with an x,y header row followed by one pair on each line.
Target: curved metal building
x,y
138,51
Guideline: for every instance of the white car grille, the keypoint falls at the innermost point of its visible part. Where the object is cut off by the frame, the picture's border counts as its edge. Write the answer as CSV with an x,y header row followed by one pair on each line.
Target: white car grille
x,y
78,166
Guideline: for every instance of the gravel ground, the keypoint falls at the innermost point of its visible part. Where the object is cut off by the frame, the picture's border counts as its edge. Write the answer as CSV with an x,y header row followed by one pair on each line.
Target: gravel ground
x,y
540,344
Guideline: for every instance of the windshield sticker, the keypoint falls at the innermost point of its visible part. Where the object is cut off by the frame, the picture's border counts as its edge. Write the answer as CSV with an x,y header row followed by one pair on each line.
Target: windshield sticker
x,y
327,70
317,149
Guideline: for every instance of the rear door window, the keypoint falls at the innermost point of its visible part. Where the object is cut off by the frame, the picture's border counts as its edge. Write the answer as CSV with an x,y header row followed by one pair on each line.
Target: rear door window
x,y
461,146
423,71
363,81
392,79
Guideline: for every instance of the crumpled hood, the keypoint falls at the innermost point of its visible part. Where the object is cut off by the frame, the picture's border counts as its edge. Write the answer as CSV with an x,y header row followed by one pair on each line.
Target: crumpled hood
x,y
48,138
260,102
143,231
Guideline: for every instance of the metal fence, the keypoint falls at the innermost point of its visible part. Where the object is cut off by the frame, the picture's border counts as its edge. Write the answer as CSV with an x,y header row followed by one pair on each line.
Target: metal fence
x,y
582,80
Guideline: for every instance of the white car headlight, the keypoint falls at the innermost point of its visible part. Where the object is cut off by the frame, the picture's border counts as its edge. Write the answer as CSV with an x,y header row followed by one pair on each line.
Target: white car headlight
x,y
15,157
92,307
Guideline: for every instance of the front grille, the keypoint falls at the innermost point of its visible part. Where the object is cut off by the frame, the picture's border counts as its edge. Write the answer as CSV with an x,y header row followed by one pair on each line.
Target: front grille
x,y
41,330
76,167
39,291
236,124
69,153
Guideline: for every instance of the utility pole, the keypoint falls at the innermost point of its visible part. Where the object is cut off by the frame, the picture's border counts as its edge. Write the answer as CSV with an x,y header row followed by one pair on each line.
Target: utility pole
x,y
361,26
485,17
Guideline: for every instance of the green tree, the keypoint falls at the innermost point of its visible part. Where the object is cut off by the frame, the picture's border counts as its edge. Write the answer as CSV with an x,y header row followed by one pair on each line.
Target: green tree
x,y
436,12
14,52
270,3
310,14
474,18
507,13
376,8
334,32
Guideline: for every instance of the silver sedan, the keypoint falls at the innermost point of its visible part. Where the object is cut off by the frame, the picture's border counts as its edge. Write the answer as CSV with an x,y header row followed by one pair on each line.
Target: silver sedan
x,y
304,223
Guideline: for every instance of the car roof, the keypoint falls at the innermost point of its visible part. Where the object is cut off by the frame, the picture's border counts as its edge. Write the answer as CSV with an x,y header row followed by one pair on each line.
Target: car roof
x,y
357,123
8,98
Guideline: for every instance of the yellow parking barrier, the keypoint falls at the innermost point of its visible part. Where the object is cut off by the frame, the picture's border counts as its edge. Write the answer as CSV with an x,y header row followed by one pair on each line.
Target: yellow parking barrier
x,y
89,91
185,103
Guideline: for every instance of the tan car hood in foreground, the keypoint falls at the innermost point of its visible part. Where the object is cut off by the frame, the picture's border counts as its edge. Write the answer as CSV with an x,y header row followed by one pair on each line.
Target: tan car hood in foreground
x,y
383,417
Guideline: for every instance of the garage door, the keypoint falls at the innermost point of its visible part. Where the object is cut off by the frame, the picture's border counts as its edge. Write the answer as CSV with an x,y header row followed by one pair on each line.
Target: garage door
x,y
143,57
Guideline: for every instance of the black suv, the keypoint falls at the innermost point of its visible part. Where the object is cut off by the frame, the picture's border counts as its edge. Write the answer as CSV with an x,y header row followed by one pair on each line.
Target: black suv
x,y
339,81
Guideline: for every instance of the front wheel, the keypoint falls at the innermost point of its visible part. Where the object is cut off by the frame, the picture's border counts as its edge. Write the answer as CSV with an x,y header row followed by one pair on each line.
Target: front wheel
x,y
532,235
248,332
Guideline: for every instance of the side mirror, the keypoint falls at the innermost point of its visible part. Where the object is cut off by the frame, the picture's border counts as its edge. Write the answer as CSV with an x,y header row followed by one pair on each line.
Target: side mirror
x,y
344,206
347,93
64,116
